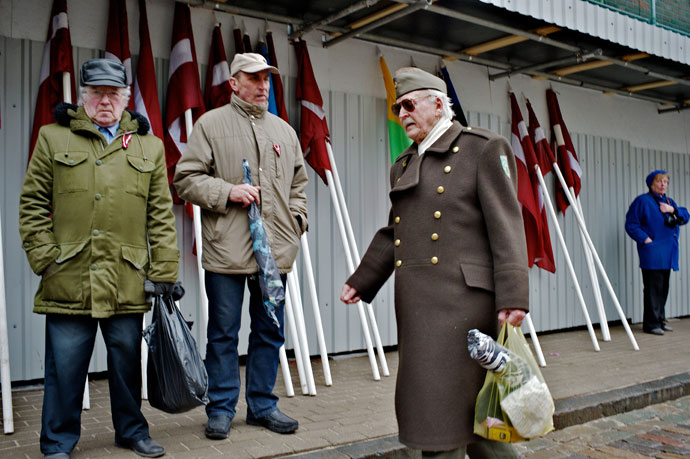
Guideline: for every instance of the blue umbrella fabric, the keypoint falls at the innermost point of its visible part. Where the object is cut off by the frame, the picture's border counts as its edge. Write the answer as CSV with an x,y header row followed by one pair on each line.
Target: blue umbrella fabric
x,y
272,289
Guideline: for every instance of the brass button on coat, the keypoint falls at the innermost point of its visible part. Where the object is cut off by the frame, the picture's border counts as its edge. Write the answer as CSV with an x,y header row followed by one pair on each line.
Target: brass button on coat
x,y
456,149
99,162
434,237
440,190
447,169
437,214
397,242
94,267
434,260
398,263
98,196
95,232
397,219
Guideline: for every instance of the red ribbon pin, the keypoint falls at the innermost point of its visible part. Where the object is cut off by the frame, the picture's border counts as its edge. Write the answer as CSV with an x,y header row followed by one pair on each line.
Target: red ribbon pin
x,y
276,148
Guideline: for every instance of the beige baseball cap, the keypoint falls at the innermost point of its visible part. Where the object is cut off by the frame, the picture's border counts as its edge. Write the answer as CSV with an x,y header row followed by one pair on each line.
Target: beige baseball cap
x,y
250,63
408,79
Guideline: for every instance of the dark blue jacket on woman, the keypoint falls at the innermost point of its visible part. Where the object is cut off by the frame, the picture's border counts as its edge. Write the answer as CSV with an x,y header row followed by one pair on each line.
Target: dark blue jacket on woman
x,y
645,219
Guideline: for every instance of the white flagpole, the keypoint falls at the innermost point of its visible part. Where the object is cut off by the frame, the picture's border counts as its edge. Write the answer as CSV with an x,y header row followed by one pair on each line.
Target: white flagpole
x,y
535,340
600,266
188,121
144,362
284,366
67,96
355,255
296,297
603,322
317,312
5,380
569,263
350,270
292,326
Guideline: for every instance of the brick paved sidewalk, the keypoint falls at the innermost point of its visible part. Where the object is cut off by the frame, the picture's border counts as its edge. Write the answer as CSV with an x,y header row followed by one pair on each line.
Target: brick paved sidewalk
x,y
661,431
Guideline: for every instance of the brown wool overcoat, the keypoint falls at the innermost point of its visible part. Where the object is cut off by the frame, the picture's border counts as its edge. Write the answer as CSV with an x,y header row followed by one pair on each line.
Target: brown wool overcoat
x,y
456,242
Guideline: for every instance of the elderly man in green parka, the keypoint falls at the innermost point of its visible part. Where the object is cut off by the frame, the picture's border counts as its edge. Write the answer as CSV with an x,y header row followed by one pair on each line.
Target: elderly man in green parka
x,y
96,221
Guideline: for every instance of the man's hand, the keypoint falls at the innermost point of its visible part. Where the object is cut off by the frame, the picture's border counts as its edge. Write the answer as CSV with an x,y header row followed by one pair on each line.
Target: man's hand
x,y
666,208
349,295
244,194
648,240
513,316
164,289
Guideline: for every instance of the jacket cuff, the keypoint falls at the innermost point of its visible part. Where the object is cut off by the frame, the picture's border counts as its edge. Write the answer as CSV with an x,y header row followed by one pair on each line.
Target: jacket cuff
x,y
41,250
512,288
164,265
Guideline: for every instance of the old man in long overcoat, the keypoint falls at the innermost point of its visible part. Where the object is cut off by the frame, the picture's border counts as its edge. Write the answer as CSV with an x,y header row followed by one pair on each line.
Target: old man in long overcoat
x,y
456,244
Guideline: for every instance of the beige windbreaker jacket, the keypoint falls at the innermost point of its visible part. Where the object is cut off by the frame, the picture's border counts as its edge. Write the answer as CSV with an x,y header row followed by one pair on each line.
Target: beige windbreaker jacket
x,y
212,164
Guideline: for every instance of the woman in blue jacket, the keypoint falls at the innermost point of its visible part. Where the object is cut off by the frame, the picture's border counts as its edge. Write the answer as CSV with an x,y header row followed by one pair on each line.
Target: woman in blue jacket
x,y
653,221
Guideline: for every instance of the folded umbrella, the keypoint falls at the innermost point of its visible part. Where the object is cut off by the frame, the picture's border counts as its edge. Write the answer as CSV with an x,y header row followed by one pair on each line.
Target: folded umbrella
x,y
272,289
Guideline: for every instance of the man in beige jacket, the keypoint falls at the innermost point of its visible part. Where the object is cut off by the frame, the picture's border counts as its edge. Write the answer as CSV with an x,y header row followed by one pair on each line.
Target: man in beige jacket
x,y
210,174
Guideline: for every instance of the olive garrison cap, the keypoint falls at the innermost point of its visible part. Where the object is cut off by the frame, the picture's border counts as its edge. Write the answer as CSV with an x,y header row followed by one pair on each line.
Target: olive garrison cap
x,y
103,72
250,63
408,79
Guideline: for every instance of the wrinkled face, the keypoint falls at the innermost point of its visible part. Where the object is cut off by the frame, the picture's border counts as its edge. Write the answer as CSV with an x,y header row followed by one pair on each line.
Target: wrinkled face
x,y
426,111
104,104
252,87
660,184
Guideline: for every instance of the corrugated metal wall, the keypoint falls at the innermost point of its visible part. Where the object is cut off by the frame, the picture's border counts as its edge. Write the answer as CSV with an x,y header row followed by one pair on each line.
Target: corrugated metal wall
x,y
614,174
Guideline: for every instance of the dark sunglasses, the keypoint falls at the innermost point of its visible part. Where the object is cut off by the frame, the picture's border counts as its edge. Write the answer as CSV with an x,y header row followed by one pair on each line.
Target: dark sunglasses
x,y
407,104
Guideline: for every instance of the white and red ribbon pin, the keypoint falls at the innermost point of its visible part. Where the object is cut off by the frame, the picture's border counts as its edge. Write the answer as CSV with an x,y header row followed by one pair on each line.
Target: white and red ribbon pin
x,y
276,148
125,140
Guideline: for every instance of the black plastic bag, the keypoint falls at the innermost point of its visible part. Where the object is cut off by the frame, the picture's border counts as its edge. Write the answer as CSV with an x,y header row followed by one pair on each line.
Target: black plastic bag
x,y
176,375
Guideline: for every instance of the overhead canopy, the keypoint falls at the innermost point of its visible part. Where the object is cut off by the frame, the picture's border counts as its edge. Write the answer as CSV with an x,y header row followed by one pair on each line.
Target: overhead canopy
x,y
611,52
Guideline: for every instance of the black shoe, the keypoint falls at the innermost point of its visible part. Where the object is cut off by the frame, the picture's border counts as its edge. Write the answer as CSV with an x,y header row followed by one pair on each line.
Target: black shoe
x,y
666,327
275,421
146,447
218,427
655,331
57,456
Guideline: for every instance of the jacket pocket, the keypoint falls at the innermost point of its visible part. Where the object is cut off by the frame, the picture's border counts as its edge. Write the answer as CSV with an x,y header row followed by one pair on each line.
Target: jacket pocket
x,y
132,274
141,169
71,172
477,276
62,281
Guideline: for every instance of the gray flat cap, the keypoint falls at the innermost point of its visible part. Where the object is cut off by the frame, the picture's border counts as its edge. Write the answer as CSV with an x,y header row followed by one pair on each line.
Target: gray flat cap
x,y
408,79
103,72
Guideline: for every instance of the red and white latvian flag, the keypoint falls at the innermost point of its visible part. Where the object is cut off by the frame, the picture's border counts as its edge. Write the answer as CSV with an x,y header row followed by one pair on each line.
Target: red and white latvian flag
x,y
522,147
184,91
565,152
117,39
313,127
57,59
544,159
217,90
145,87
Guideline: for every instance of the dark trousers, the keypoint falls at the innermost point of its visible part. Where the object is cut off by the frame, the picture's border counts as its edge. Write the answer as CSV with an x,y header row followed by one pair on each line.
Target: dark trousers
x,y
225,295
655,283
69,345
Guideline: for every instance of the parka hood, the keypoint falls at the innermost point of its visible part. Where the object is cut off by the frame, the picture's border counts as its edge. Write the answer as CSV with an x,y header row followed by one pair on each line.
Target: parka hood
x,y
65,113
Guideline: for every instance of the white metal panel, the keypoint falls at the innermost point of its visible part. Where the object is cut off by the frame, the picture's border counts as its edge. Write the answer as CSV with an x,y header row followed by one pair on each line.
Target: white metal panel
x,y
605,23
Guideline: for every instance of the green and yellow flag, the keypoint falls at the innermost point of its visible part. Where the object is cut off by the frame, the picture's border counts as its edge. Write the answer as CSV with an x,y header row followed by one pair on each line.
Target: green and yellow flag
x,y
397,139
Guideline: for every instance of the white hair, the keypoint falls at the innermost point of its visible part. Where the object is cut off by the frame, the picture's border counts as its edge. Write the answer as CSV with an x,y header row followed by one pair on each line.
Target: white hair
x,y
446,103
126,93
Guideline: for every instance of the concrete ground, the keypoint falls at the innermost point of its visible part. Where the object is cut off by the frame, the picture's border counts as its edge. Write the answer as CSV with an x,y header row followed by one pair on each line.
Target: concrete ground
x,y
355,417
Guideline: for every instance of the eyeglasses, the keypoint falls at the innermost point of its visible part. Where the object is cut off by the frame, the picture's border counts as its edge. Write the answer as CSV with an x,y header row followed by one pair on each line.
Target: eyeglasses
x,y
112,94
407,104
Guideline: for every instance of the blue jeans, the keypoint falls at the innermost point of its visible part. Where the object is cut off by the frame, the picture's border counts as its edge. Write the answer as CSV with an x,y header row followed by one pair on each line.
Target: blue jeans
x,y
69,345
225,295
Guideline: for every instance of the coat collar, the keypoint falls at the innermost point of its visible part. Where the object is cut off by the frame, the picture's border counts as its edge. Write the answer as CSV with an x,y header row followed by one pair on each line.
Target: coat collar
x,y
246,109
412,162
74,117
